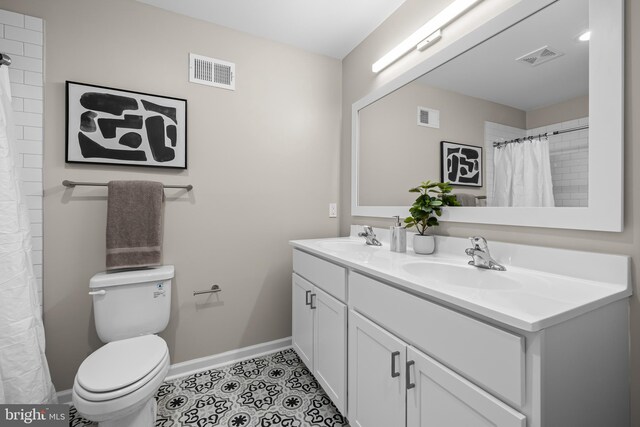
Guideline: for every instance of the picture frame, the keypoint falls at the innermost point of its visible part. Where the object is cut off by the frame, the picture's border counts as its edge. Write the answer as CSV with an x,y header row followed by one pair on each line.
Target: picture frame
x,y
109,126
461,164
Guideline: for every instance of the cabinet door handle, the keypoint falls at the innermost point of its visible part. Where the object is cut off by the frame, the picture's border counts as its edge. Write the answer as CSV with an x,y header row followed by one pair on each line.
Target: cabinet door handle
x,y
410,385
393,364
306,298
313,298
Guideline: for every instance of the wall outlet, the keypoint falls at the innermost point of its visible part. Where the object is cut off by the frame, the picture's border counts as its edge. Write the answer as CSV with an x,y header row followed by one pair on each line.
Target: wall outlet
x,y
333,210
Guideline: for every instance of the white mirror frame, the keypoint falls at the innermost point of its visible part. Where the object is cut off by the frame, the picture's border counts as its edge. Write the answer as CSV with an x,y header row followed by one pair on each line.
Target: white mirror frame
x,y
606,126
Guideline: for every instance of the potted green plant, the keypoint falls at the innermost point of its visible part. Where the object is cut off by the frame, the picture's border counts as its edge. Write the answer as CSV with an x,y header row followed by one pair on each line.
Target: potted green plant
x,y
425,212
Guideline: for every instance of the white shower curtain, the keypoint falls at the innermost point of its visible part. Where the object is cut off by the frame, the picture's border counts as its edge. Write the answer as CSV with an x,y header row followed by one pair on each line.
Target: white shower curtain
x,y
522,174
24,373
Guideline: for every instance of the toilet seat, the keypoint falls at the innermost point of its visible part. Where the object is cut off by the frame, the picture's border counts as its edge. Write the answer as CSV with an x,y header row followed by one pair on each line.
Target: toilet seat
x,y
112,409
107,404
120,364
114,394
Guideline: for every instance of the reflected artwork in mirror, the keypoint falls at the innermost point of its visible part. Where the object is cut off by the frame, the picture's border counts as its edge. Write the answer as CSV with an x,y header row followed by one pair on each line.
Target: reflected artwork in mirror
x,y
522,97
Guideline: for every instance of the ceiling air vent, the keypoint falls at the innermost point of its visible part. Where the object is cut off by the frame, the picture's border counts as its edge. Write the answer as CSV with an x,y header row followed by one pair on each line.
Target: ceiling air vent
x,y
540,56
428,117
212,72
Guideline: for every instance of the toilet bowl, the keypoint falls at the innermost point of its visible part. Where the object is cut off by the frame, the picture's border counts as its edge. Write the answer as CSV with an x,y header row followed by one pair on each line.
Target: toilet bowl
x,y
115,385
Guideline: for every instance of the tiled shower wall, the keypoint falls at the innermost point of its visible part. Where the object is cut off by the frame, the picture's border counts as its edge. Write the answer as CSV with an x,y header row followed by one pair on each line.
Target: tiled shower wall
x,y
569,153
21,37
569,156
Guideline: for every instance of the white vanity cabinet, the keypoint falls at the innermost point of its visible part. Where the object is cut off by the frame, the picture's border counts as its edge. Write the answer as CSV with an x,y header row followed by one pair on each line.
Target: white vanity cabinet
x,y
302,325
491,357
386,375
416,359
319,328
437,396
377,361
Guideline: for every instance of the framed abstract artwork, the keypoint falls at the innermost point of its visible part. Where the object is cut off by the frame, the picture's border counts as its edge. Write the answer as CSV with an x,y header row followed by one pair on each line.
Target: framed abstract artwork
x,y
121,127
461,164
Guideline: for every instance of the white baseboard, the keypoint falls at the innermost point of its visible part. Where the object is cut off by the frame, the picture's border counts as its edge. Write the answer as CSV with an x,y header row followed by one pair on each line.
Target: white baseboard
x,y
64,396
189,367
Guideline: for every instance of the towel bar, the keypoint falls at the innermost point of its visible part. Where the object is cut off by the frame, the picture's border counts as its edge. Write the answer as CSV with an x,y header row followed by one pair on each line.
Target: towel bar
x,y
214,289
72,184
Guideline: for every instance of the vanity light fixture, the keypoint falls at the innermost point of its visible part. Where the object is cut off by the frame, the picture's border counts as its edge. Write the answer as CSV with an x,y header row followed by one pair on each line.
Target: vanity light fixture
x,y
584,37
424,44
426,35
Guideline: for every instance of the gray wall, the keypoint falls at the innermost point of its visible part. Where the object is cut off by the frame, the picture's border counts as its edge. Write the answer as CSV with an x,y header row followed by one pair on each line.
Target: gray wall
x,y
263,161
358,80
396,154
572,109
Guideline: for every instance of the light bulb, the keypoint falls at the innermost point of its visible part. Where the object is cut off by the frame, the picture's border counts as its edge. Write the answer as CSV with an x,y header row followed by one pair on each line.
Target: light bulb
x,y
584,37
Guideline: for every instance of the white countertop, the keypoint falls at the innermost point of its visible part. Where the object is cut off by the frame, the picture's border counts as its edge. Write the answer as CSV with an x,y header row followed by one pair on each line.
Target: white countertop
x,y
541,287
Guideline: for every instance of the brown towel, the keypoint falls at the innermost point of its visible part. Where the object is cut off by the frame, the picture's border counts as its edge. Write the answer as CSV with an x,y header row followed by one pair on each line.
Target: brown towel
x,y
134,224
466,199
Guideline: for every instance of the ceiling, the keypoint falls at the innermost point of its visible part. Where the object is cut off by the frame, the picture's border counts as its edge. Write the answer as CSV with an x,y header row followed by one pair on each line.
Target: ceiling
x,y
490,71
327,27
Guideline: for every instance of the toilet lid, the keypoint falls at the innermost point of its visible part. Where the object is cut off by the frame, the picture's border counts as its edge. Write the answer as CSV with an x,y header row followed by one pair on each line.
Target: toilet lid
x,y
121,363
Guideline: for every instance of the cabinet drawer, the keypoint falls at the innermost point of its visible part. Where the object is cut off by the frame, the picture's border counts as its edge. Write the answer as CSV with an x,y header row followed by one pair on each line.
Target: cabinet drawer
x,y
330,277
490,357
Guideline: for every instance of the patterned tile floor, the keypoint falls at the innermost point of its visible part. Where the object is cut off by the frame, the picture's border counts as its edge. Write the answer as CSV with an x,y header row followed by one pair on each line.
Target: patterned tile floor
x,y
276,390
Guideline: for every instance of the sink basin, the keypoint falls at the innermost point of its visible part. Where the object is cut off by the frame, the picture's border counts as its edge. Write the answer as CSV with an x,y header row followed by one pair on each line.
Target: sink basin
x,y
344,245
352,249
463,275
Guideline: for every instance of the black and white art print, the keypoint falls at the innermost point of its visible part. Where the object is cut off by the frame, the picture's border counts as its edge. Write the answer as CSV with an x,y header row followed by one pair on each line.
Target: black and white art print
x,y
121,127
461,164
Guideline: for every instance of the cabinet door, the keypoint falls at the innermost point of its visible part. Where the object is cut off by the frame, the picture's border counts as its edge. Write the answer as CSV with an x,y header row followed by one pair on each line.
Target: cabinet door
x,y
330,346
302,320
376,375
438,397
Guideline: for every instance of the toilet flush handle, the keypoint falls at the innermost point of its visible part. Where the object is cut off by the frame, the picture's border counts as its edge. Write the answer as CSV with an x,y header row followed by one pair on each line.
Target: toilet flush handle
x,y
100,292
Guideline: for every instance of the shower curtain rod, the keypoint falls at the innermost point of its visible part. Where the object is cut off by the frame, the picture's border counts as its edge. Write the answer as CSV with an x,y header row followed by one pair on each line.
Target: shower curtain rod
x,y
499,144
5,59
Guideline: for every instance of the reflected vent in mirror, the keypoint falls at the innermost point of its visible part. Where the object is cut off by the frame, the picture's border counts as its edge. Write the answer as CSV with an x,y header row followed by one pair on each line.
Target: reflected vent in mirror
x,y
428,117
540,56
212,72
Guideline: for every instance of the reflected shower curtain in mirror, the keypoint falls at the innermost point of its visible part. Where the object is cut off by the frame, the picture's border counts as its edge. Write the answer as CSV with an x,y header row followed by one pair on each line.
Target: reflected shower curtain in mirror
x,y
24,373
522,174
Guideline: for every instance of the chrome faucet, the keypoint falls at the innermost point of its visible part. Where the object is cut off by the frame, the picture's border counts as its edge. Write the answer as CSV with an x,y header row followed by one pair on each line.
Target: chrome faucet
x,y
481,256
370,236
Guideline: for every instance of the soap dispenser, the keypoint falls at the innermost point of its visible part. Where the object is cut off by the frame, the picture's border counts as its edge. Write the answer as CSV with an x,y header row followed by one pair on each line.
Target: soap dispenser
x,y
398,236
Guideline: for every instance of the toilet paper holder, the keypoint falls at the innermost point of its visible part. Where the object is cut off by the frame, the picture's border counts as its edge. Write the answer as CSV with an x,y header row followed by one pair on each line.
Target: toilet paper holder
x,y
214,289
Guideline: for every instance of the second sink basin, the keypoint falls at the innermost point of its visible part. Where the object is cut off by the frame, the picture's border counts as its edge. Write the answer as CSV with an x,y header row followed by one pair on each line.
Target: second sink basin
x,y
463,275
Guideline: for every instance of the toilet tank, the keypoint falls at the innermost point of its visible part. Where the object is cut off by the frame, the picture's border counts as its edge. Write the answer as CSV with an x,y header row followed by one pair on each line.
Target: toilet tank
x,y
131,303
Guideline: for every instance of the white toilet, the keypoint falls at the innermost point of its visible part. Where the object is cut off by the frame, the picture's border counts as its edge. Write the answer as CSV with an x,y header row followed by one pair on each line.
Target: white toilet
x,y
115,385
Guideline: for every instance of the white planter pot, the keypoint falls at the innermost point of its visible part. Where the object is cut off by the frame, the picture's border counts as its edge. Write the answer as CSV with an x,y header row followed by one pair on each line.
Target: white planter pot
x,y
423,245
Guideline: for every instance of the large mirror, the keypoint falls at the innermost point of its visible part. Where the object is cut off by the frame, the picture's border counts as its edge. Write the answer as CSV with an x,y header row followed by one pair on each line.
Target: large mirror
x,y
526,124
